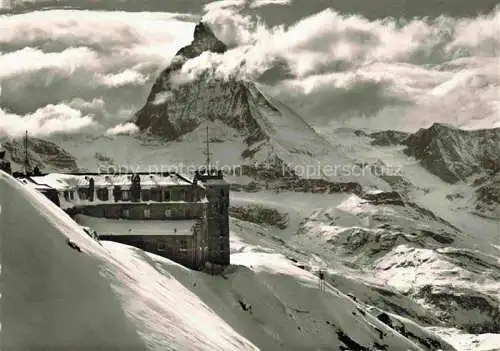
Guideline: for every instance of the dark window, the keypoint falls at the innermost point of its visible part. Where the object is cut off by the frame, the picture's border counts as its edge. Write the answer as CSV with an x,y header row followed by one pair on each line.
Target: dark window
x,y
66,195
167,195
146,195
156,195
117,193
174,195
103,194
83,193
71,195
182,196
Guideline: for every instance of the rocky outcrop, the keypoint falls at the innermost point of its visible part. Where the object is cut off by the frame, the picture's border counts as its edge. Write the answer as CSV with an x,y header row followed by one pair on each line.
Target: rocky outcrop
x,y
456,306
176,108
450,153
42,153
384,198
388,137
453,154
260,215
487,197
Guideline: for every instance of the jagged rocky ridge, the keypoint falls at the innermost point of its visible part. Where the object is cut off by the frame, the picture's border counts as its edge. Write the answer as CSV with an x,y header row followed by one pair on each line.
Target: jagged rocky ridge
x,y
274,138
416,254
173,110
260,215
450,153
42,153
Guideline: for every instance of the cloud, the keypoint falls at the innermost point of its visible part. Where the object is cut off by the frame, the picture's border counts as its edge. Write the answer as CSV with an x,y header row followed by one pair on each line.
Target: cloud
x,y
101,64
123,129
261,3
65,56
329,37
126,77
162,97
48,120
346,66
29,60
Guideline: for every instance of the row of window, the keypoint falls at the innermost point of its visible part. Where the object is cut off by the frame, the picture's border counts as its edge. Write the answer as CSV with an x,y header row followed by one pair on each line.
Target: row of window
x,y
156,195
162,246
188,213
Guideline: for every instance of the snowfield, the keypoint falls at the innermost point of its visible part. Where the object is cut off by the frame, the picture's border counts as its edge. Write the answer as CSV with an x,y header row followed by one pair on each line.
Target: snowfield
x,y
112,296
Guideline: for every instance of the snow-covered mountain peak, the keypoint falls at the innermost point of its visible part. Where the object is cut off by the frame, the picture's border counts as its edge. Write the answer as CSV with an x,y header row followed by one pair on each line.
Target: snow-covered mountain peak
x,y
268,128
45,154
454,154
204,40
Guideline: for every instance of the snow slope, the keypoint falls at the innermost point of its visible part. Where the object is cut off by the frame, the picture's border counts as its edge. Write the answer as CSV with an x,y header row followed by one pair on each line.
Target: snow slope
x,y
53,297
113,297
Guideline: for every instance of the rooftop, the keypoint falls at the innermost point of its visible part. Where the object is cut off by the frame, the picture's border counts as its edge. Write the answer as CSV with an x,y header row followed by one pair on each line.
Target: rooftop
x,y
62,181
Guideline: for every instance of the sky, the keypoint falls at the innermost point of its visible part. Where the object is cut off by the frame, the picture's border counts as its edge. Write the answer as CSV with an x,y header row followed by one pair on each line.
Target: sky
x,y
88,70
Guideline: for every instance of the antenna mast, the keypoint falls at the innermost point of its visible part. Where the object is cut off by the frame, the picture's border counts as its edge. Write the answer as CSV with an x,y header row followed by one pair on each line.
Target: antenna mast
x,y
207,150
26,159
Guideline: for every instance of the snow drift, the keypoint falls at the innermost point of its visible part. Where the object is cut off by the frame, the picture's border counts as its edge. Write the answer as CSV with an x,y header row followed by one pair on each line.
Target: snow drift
x,y
53,296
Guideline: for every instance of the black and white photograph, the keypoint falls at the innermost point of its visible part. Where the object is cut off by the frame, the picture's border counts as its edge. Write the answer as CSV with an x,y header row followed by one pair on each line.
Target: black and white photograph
x,y
231,175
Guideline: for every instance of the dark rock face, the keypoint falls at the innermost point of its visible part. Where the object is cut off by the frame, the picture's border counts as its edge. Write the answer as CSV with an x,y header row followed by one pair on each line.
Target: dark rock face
x,y
260,215
452,303
489,192
204,40
430,342
41,153
173,110
453,154
450,153
387,138
487,197
385,198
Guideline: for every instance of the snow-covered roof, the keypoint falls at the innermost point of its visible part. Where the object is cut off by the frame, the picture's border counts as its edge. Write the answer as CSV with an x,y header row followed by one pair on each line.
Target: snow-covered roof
x,y
53,180
106,226
66,181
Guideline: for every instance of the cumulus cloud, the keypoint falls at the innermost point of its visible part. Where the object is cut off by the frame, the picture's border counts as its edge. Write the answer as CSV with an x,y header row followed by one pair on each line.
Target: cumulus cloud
x,y
315,42
359,67
160,98
261,3
101,64
126,77
29,60
123,129
48,120
101,67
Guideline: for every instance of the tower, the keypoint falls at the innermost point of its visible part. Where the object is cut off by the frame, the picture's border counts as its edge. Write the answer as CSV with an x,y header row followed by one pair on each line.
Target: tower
x,y
217,190
26,155
207,151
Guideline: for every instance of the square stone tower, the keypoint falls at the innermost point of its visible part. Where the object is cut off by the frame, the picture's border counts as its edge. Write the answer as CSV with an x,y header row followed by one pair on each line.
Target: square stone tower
x,y
217,190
